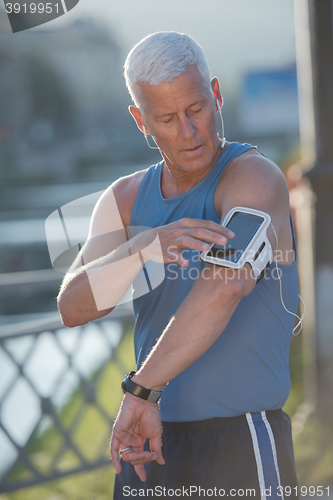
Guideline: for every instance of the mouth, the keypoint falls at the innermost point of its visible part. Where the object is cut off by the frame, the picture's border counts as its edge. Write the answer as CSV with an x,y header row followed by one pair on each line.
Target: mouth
x,y
193,150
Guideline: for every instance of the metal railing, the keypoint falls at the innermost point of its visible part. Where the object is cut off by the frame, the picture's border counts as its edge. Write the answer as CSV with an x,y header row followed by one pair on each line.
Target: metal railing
x,y
59,395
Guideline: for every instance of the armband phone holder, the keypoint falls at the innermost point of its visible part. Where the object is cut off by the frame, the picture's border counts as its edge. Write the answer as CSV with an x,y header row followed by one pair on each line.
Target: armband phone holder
x,y
249,245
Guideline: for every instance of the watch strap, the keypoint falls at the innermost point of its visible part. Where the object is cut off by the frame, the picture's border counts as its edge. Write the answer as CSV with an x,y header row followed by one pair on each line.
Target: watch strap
x,y
137,390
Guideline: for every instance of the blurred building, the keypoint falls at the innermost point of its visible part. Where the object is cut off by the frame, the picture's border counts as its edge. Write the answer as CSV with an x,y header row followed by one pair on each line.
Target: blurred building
x,y
63,104
268,110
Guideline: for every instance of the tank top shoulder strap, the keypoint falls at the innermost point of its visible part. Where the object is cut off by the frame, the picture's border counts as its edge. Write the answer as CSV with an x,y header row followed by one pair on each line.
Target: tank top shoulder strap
x,y
234,150
148,186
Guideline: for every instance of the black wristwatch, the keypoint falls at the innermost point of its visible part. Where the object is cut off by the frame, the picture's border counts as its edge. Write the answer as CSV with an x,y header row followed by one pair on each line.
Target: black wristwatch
x,y
137,390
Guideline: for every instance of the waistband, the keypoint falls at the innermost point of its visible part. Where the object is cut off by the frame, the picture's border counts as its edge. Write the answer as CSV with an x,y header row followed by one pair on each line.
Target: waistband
x,y
220,423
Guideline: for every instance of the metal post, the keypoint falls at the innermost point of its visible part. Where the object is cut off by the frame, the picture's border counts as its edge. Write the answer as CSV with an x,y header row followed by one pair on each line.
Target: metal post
x,y
320,15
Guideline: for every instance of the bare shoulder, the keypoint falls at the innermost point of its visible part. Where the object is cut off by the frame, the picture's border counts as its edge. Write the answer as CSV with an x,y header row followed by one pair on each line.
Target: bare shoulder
x,y
125,190
121,194
254,168
250,180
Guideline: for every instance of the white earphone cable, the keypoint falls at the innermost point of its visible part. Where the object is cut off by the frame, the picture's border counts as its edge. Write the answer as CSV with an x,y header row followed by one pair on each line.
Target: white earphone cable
x,y
145,134
220,113
300,319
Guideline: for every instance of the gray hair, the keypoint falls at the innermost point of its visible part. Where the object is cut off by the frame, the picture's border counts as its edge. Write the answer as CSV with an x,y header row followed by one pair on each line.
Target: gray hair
x,y
161,57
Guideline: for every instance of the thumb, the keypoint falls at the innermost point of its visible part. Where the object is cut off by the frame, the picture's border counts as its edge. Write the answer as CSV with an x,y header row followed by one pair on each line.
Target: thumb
x,y
156,447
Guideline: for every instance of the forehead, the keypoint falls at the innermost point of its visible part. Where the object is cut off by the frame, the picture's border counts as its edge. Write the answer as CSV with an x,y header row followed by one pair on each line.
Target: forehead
x,y
183,91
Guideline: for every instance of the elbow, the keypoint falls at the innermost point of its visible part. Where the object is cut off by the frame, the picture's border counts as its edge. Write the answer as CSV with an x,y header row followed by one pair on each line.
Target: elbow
x,y
68,316
73,315
68,321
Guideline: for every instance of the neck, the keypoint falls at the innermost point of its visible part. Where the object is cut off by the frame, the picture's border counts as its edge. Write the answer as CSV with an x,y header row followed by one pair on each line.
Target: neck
x,y
175,181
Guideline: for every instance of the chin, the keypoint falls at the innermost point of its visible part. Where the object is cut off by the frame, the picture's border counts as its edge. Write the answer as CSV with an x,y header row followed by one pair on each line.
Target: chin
x,y
199,163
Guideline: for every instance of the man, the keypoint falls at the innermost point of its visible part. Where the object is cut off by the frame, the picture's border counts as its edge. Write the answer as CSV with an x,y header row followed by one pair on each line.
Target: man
x,y
215,342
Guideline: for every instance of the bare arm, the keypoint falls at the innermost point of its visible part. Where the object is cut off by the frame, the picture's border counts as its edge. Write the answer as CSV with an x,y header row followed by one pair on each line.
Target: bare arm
x,y
87,292
196,325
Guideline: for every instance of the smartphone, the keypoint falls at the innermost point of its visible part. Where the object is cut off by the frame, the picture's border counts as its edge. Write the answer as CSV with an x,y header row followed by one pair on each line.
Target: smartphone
x,y
250,243
245,226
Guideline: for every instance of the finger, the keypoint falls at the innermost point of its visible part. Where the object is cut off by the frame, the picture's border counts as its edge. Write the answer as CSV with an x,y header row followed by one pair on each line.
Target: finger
x,y
140,470
206,235
182,261
173,255
193,240
138,457
114,449
207,224
156,448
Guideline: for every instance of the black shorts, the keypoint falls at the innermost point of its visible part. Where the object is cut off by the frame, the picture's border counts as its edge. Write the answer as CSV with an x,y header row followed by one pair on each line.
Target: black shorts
x,y
249,456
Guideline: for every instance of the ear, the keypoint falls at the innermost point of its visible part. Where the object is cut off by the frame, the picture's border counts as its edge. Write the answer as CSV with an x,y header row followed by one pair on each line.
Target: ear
x,y
216,91
136,113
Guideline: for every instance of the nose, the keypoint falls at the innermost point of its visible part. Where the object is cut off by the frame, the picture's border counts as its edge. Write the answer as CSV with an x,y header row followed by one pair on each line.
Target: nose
x,y
186,128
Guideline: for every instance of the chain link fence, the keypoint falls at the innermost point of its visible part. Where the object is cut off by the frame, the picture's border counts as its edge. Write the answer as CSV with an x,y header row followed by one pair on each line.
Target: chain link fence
x,y
59,395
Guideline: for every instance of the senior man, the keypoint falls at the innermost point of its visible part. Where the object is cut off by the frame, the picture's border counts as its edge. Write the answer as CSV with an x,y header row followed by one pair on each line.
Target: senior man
x,y
216,346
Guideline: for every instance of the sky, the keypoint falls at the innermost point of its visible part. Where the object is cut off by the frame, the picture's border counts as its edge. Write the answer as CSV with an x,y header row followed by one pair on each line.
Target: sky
x,y
236,35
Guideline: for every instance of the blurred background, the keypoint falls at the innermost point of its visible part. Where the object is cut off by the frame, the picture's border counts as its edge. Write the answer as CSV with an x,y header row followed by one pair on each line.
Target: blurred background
x,y
66,134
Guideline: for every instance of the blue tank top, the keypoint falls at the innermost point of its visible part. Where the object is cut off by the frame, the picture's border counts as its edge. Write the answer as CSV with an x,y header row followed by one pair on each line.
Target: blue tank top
x,y
246,369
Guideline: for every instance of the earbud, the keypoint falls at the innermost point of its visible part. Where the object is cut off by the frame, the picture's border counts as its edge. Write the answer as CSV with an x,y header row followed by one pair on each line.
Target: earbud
x,y
218,105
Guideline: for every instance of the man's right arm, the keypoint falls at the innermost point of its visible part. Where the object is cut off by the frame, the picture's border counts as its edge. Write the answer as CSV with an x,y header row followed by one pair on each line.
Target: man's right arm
x,y
105,267
110,261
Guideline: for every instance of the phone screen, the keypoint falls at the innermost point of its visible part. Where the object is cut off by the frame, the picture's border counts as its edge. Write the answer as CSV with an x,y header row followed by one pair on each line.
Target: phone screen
x,y
244,226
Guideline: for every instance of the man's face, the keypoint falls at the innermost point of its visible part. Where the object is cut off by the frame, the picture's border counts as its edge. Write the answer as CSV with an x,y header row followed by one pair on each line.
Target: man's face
x,y
181,116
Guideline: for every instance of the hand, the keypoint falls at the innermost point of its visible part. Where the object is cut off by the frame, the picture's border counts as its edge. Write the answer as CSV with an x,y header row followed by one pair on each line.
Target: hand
x,y
185,233
137,421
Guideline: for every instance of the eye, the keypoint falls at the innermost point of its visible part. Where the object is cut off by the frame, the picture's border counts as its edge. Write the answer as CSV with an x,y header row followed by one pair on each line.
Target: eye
x,y
196,110
167,119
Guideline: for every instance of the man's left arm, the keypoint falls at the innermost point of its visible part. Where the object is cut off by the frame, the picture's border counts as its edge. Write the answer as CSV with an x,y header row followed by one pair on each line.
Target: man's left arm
x,y
202,316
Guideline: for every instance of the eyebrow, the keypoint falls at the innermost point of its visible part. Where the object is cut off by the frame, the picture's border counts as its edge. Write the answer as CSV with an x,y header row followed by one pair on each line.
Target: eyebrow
x,y
164,116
